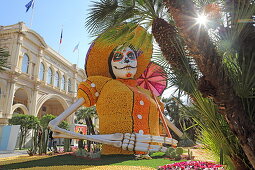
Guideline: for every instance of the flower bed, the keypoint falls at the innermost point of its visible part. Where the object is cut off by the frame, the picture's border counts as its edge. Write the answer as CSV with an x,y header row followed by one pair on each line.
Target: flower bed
x,y
192,165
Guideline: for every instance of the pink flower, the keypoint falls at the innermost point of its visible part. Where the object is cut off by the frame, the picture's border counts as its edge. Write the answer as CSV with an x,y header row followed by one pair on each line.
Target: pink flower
x,y
191,165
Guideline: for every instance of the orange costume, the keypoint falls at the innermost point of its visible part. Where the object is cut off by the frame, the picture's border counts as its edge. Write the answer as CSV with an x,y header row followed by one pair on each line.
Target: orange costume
x,y
122,106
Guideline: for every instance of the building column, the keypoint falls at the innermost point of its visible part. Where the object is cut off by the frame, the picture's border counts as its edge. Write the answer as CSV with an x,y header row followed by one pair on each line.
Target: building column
x,y
37,65
66,84
16,60
52,77
19,64
33,103
9,97
45,74
75,83
30,69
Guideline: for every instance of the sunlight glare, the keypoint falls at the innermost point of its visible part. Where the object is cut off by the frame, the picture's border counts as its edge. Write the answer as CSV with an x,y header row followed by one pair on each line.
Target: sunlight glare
x,y
201,19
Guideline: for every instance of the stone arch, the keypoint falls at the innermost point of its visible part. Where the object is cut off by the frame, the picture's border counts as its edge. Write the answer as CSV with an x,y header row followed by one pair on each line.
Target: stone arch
x,y
22,106
47,97
21,96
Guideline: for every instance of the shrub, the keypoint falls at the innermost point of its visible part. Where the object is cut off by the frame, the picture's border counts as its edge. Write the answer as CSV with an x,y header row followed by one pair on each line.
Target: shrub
x,y
26,122
174,153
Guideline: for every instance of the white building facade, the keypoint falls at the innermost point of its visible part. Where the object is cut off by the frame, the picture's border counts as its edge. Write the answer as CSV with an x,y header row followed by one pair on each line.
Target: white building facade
x,y
40,81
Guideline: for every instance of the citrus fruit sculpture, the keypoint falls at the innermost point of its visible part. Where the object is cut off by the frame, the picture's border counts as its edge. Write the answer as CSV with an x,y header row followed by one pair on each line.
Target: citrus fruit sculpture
x,y
129,120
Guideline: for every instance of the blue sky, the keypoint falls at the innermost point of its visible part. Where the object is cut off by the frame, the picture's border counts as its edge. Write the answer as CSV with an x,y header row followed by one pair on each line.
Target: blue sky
x,y
48,18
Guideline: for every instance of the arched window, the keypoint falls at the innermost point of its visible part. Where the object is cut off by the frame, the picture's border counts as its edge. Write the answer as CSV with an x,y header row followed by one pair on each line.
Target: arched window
x,y
42,70
69,85
25,63
63,83
49,77
56,81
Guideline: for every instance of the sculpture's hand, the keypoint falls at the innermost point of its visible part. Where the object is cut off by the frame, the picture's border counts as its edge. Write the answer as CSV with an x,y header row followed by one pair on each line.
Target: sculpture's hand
x,y
138,142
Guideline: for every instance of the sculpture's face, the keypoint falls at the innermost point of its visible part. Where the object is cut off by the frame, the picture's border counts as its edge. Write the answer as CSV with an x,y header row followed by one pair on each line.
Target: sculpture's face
x,y
124,63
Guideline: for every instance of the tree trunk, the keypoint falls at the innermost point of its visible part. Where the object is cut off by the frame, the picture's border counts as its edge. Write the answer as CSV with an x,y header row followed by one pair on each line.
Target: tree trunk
x,y
215,82
21,138
92,130
238,163
41,143
89,132
34,139
24,139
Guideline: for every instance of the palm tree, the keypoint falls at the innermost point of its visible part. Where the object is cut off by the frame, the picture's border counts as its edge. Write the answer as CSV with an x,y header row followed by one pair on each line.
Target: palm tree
x,y
227,78
225,75
3,59
174,109
87,114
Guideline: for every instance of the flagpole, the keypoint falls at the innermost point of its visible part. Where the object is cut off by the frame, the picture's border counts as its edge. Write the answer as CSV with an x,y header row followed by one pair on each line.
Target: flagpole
x,y
59,48
32,15
78,56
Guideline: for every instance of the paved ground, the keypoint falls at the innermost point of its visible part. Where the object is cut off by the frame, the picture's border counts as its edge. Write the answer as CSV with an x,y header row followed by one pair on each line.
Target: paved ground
x,y
11,154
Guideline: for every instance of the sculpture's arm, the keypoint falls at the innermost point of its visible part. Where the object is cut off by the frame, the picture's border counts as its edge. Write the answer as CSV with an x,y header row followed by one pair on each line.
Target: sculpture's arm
x,y
126,141
53,124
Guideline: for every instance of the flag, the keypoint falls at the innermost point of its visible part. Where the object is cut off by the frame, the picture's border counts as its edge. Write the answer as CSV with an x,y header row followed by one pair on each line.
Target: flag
x,y
76,47
29,4
60,41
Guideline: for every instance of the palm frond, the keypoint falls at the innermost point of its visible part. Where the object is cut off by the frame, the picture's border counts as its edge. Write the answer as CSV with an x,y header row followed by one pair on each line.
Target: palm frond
x,y
106,14
125,34
215,132
183,82
101,15
236,26
83,112
241,71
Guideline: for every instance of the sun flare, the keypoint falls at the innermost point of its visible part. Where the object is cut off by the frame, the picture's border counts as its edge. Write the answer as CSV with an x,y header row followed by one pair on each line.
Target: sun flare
x,y
202,19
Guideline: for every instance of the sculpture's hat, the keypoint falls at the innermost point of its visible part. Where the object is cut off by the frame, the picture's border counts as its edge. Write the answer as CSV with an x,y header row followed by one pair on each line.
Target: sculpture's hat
x,y
96,63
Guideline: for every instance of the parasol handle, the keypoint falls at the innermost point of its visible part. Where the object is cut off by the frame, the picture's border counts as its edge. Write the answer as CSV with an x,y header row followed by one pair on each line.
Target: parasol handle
x,y
166,122
173,127
162,117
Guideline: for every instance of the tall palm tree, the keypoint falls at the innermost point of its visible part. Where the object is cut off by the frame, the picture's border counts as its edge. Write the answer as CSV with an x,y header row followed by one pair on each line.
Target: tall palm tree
x,y
174,109
87,114
230,83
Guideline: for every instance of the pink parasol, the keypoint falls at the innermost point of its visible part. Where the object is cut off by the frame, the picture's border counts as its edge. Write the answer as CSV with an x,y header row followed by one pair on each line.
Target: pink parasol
x,y
153,79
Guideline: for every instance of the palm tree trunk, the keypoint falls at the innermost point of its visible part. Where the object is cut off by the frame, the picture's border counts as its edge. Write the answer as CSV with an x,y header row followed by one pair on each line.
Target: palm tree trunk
x,y
92,130
215,82
89,132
